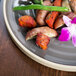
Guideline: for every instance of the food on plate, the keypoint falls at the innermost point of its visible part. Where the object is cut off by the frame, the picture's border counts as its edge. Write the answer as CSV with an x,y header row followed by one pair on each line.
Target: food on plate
x,y
41,14
70,31
27,21
65,3
38,2
59,21
41,7
51,15
45,30
73,5
42,40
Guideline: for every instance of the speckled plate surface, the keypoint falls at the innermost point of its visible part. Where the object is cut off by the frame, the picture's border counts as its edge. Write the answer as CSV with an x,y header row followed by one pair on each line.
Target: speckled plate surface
x,y
59,55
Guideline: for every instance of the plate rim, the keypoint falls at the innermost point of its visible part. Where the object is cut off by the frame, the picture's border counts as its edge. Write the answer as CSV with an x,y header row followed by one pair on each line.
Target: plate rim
x,y
32,55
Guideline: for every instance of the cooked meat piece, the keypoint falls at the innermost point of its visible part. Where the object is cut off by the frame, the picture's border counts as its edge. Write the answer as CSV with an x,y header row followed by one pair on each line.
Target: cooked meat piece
x,y
41,14
27,21
45,30
42,41
59,21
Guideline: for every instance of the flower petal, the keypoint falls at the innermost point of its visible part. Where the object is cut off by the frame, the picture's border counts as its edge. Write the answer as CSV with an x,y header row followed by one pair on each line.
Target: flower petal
x,y
67,20
74,20
65,34
74,39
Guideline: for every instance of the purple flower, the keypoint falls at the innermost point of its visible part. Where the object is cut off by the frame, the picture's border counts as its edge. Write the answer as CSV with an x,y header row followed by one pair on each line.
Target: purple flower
x,y
70,31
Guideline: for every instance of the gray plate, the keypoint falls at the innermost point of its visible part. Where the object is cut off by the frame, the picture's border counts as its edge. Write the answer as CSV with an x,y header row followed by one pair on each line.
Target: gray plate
x,y
59,55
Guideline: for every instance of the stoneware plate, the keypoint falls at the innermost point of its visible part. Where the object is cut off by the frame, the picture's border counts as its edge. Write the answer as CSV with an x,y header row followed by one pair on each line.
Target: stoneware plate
x,y
59,55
